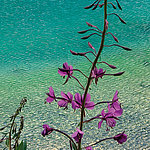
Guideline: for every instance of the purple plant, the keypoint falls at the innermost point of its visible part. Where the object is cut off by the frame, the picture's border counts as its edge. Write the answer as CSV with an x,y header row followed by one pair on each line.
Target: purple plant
x,y
66,98
51,95
81,102
78,135
108,117
47,130
120,138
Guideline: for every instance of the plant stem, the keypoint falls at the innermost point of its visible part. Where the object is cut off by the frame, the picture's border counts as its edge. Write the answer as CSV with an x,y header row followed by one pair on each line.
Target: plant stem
x,y
99,141
93,66
66,136
10,133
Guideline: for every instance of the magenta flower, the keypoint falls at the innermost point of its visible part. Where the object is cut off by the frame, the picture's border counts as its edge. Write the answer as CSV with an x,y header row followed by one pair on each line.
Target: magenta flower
x,y
79,100
115,107
96,73
89,148
47,130
51,95
108,117
66,98
121,138
66,71
78,135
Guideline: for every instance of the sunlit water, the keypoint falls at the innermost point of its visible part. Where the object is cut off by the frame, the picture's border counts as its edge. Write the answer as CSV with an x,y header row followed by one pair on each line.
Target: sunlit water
x,y
35,40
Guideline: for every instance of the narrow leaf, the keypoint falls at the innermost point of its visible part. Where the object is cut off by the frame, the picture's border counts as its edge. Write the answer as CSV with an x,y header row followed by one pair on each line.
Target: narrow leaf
x,y
90,25
20,147
125,48
118,17
4,127
86,37
74,147
95,7
25,145
118,74
87,7
81,32
112,5
7,142
90,45
113,37
70,145
118,5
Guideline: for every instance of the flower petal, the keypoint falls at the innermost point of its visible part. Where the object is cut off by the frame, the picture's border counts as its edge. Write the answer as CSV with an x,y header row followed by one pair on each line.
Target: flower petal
x,y
74,105
65,65
64,95
115,96
90,105
110,122
78,98
103,113
51,92
88,97
62,73
70,96
62,103
100,123
49,99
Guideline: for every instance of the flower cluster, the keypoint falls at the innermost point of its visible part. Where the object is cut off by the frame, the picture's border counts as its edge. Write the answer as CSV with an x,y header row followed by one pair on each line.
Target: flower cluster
x,y
114,111
76,102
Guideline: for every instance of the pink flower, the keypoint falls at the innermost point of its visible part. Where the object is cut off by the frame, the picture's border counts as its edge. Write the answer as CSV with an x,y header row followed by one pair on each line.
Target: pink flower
x,y
79,100
66,98
47,130
66,71
89,148
78,135
96,73
121,138
108,117
115,107
51,95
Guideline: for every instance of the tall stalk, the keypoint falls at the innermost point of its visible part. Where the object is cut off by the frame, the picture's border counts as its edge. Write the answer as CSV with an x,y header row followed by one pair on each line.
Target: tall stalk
x,y
93,66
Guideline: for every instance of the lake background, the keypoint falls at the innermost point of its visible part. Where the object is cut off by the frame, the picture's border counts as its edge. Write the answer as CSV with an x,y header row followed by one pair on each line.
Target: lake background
x,y
36,37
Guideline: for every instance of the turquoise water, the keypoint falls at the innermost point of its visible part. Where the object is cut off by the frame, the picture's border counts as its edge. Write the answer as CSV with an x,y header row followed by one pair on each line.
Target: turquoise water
x,y
35,40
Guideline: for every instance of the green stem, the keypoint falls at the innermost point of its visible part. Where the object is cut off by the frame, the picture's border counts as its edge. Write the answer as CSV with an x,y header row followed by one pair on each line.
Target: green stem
x,y
93,66
10,133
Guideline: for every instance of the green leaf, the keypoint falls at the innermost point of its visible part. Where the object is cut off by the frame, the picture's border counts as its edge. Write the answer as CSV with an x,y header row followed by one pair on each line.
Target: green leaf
x,y
25,145
74,147
22,146
7,142
5,133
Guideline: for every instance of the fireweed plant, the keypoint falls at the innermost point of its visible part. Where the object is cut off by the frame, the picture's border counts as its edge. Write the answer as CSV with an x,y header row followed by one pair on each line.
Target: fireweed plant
x,y
83,101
